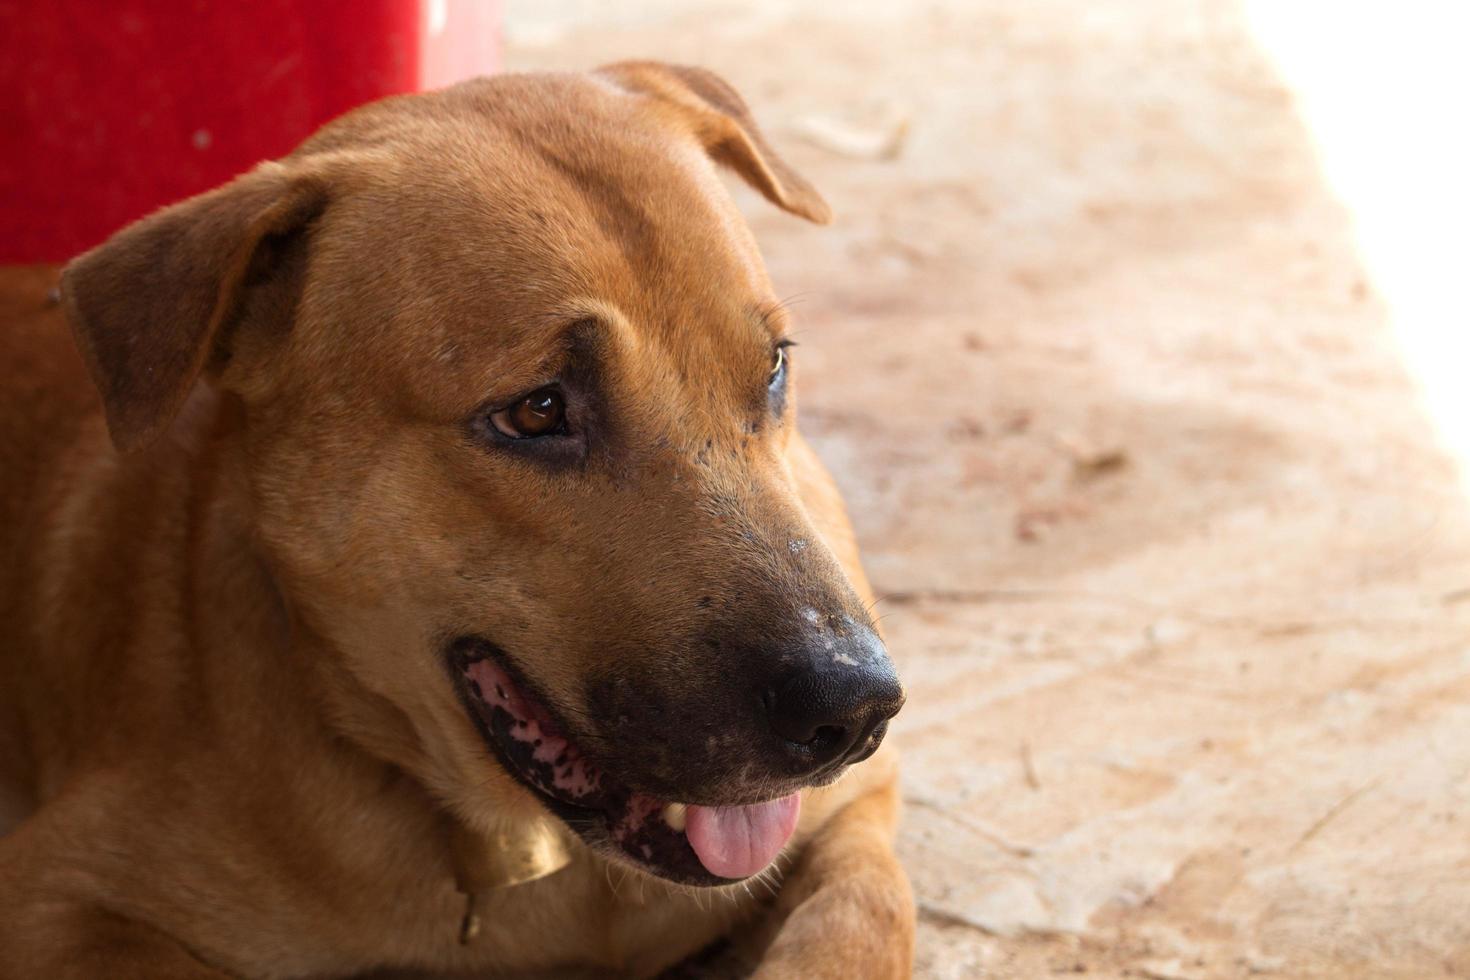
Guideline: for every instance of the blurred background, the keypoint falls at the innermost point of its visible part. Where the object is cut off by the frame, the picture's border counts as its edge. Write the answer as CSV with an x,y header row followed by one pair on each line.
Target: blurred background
x,y
1137,348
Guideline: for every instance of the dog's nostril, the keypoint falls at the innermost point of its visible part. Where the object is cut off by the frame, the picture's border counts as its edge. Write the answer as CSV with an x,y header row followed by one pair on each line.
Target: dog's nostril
x,y
865,747
827,736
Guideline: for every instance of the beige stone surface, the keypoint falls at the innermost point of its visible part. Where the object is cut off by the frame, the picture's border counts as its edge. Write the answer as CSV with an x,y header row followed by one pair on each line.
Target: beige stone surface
x,y
1175,571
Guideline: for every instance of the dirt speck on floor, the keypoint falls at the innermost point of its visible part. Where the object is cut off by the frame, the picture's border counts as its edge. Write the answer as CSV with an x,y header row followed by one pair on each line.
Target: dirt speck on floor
x,y
1173,567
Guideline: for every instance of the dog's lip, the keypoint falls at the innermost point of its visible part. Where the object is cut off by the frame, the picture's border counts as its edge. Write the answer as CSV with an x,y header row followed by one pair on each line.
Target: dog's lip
x,y
608,814
534,744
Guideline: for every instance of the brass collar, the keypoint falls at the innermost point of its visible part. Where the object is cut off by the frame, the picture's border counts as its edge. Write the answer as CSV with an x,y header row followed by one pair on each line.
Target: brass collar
x,y
506,857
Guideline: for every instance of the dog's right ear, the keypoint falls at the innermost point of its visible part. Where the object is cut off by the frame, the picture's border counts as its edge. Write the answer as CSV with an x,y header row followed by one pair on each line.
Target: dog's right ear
x,y
719,117
156,302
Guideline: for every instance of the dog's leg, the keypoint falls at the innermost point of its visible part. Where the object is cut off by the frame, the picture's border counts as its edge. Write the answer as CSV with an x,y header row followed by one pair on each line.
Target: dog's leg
x,y
51,925
846,910
71,943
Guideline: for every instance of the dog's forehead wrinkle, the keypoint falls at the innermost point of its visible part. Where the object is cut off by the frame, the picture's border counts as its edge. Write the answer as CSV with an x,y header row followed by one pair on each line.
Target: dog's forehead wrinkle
x,y
623,217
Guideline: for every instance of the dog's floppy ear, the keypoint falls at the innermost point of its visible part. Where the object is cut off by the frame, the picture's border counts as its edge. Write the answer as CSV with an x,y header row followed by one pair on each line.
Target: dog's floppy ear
x,y
722,122
152,305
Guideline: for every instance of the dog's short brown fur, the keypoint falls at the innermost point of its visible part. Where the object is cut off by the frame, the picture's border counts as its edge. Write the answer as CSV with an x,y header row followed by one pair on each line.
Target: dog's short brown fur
x,y
229,745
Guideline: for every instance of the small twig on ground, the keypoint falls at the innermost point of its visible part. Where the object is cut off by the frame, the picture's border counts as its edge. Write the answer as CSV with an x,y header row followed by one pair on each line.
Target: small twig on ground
x,y
970,823
1333,813
1028,767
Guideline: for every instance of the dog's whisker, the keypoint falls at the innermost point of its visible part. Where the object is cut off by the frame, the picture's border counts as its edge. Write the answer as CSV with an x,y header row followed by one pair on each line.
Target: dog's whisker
x,y
607,870
786,303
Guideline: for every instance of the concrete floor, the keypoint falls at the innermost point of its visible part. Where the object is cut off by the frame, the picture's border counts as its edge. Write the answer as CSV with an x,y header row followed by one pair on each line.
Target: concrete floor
x,y
1174,567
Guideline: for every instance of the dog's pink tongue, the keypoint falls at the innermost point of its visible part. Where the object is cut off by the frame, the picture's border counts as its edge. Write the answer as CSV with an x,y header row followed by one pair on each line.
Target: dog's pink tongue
x,y
738,841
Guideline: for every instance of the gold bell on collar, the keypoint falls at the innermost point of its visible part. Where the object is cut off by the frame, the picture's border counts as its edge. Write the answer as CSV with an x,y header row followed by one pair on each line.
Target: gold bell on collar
x,y
505,857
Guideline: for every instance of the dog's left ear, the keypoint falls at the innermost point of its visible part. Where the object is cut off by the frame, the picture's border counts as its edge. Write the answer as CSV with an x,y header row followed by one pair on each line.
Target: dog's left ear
x,y
154,306
720,119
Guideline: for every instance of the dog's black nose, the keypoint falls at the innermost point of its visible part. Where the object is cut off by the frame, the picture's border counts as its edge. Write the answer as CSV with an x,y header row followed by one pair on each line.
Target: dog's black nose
x,y
837,710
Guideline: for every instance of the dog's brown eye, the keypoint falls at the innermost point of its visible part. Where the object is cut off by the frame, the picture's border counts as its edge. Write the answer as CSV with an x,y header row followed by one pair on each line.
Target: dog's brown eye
x,y
541,413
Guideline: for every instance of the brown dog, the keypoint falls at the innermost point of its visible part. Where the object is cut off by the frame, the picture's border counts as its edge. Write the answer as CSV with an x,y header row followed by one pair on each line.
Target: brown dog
x,y
458,530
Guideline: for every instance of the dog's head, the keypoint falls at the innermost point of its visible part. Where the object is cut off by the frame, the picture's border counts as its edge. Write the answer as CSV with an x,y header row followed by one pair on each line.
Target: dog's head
x,y
514,401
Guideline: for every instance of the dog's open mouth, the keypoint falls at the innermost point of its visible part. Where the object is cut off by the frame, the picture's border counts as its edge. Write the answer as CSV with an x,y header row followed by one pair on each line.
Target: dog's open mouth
x,y
693,844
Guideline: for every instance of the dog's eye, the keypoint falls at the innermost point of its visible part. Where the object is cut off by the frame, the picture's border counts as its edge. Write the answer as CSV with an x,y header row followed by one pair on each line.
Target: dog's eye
x,y
778,362
541,413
